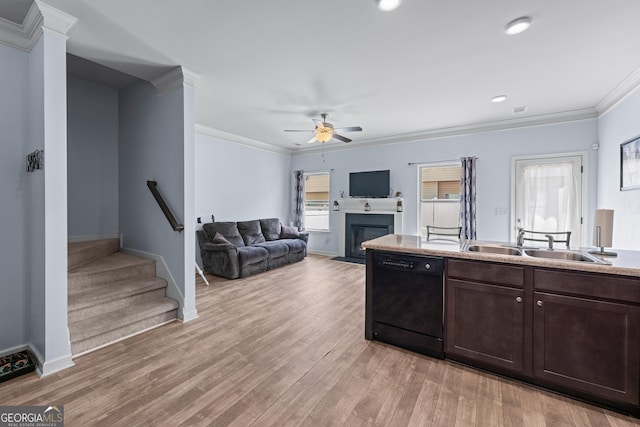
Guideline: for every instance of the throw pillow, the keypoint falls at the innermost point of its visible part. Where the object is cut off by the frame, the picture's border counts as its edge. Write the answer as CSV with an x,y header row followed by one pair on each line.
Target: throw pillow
x,y
270,228
289,232
219,238
251,232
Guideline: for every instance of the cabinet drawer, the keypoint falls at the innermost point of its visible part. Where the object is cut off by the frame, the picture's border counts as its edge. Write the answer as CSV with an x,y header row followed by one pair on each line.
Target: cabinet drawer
x,y
588,285
483,271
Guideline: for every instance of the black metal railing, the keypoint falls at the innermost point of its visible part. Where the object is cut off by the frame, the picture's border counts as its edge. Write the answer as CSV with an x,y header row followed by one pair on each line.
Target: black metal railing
x,y
153,186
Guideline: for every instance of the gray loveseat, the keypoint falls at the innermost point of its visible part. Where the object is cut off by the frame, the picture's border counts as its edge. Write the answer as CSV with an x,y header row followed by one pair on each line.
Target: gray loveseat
x,y
240,249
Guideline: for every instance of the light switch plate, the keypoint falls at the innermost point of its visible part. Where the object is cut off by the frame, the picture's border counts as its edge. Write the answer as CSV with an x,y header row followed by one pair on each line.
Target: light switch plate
x,y
502,211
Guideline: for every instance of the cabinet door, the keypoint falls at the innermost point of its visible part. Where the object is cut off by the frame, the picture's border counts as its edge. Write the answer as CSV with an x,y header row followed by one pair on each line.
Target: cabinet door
x,y
485,323
587,345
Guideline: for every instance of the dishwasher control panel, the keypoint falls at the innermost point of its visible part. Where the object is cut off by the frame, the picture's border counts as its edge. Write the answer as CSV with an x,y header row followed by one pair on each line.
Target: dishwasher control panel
x,y
430,265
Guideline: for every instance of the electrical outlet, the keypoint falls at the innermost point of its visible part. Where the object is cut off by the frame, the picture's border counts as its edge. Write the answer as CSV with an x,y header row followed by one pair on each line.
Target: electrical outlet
x,y
502,211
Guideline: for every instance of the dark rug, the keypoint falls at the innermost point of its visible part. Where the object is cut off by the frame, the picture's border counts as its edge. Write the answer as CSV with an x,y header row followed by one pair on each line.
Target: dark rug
x,y
16,364
352,260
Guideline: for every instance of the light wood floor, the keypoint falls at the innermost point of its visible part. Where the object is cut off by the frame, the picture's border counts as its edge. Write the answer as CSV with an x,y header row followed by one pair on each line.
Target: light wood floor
x,y
282,348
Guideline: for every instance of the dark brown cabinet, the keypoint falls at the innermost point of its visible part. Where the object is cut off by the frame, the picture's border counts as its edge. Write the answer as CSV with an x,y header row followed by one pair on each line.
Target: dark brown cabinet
x,y
484,312
485,323
573,331
586,344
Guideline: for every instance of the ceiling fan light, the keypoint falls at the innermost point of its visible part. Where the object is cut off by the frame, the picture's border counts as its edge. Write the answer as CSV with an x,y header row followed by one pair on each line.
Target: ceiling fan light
x,y
388,5
324,136
518,26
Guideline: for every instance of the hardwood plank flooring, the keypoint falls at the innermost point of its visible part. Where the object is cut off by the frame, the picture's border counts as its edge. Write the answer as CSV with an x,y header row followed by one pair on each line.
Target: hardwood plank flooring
x,y
287,347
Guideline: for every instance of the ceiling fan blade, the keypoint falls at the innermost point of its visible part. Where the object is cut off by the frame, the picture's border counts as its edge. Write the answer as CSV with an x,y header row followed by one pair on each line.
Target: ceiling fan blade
x,y
318,122
341,138
350,129
298,130
312,140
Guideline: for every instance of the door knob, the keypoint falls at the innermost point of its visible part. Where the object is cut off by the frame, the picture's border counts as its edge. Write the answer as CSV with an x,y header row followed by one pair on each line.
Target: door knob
x,y
539,303
518,299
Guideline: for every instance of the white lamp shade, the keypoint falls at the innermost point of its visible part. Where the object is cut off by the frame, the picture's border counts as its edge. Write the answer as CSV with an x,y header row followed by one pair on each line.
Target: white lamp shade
x,y
603,219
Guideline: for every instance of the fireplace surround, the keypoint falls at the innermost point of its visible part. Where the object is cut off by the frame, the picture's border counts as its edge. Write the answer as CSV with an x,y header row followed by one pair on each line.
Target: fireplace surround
x,y
381,218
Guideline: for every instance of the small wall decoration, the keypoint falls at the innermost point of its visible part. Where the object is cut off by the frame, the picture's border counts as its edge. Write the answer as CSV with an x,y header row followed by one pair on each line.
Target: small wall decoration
x,y
630,164
35,160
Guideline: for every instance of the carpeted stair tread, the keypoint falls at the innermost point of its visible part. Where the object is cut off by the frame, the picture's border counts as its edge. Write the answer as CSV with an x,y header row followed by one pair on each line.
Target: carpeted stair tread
x,y
113,291
82,253
118,334
104,323
113,268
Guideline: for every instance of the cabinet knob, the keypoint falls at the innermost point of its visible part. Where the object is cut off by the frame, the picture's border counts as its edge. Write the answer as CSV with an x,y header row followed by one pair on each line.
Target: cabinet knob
x,y
518,299
539,303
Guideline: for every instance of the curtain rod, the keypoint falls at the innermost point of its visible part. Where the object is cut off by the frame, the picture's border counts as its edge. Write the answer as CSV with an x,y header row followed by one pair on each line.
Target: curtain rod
x,y
436,162
317,171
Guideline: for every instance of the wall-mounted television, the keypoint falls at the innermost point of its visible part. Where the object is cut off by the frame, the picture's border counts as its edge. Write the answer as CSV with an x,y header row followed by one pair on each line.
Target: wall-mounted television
x,y
369,184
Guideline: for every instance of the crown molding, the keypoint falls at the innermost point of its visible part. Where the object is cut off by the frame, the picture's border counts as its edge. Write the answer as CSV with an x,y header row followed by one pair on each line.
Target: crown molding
x,y
22,36
620,92
40,16
231,137
55,19
175,79
541,120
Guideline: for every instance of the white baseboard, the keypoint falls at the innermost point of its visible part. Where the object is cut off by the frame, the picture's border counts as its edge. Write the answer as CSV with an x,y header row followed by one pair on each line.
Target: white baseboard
x,y
331,254
188,316
15,349
75,239
45,368
162,270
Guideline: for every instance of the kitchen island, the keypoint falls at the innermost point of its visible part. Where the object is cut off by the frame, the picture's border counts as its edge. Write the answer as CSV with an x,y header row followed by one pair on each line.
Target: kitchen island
x,y
569,326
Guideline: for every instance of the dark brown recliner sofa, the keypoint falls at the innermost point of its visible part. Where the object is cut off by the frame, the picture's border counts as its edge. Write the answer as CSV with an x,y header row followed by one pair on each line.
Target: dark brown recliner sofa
x,y
240,249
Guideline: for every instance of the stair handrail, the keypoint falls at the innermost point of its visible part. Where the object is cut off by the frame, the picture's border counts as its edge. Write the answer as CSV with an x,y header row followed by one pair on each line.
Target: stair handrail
x,y
153,186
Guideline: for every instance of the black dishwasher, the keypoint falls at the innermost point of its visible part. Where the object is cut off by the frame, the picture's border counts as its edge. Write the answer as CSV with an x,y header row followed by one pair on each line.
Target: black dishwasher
x,y
407,301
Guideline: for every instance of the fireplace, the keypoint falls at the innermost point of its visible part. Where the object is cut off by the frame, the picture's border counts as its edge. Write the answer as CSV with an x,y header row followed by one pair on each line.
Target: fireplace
x,y
363,227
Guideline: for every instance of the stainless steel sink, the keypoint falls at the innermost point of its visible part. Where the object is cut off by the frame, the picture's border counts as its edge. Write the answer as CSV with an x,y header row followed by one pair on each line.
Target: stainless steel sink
x,y
564,255
494,249
556,254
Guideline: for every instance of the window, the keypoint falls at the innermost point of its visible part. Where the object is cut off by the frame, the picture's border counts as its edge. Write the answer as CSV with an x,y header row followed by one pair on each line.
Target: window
x,y
439,196
316,201
548,195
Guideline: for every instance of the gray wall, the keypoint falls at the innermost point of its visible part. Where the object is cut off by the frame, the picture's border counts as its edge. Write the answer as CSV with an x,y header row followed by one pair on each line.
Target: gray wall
x,y
152,146
14,193
92,159
618,125
493,149
236,182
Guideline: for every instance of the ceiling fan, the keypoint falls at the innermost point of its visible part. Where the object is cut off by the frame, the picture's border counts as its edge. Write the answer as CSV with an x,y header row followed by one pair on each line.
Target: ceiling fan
x,y
324,131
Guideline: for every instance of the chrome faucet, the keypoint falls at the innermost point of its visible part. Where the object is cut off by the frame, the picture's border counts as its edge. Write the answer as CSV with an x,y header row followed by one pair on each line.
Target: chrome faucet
x,y
520,240
550,237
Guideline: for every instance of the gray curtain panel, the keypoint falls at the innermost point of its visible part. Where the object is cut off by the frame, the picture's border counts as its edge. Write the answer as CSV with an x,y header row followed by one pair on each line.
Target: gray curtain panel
x,y
468,198
298,210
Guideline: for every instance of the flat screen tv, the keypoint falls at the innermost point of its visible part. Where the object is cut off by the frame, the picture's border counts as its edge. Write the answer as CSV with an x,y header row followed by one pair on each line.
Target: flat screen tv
x,y
369,184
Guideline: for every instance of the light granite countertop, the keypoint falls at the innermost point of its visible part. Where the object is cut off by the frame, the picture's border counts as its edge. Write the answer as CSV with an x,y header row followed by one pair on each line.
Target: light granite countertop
x,y
627,263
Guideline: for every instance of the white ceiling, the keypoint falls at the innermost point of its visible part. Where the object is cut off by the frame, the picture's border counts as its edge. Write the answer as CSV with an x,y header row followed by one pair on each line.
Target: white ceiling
x,y
427,68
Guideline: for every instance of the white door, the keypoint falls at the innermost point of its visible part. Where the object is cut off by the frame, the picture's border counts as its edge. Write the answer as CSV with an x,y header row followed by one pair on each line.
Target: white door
x,y
548,195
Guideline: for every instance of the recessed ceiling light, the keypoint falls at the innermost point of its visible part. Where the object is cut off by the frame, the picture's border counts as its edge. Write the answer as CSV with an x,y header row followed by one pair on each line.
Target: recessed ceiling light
x,y
499,98
518,25
388,5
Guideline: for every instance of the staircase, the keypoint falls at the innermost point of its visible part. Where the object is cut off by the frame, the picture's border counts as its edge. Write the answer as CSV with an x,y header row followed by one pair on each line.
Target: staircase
x,y
112,295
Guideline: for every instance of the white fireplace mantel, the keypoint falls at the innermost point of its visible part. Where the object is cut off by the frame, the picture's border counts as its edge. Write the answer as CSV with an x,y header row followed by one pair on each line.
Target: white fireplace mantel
x,y
386,206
